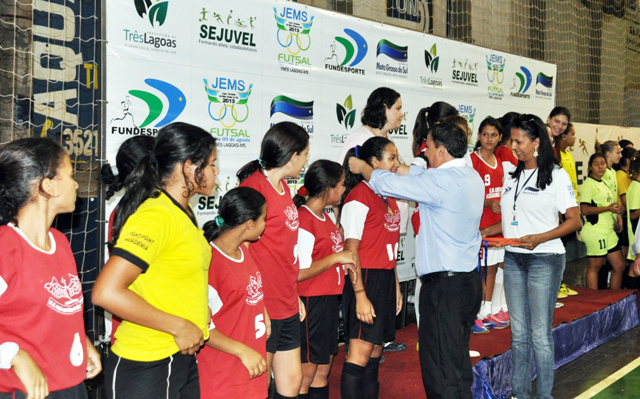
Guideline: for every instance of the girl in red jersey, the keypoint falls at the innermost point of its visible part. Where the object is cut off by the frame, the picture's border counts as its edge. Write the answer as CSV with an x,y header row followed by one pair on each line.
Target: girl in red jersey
x,y
44,351
232,363
283,153
489,164
321,276
371,229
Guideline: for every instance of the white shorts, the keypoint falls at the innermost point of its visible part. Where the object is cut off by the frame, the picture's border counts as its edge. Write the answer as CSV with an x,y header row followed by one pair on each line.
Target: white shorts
x,y
495,256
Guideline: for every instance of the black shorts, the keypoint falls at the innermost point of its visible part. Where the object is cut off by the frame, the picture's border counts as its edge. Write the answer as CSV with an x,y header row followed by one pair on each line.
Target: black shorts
x,y
77,392
285,334
623,236
380,286
173,377
319,330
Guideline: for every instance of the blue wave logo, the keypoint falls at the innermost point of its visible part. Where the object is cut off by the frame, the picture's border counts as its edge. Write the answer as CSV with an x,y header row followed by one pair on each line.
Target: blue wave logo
x,y
398,53
355,49
175,97
546,81
291,107
525,79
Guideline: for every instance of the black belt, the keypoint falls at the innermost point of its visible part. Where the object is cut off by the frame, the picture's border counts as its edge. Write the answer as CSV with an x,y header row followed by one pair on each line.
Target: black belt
x,y
438,275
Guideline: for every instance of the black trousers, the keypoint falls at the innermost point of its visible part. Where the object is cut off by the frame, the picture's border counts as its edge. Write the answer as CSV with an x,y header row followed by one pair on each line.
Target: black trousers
x,y
448,309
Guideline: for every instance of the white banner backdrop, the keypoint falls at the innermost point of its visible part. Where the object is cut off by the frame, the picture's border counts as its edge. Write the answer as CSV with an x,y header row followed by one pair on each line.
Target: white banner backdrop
x,y
235,68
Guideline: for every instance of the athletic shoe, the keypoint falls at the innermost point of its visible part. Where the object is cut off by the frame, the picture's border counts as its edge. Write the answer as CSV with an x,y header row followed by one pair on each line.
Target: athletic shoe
x,y
394,346
492,321
562,294
565,288
474,353
503,316
479,327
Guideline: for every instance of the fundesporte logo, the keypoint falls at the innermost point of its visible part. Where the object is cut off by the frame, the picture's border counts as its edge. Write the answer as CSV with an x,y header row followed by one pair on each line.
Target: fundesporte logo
x,y
175,98
521,83
355,49
154,12
346,114
546,91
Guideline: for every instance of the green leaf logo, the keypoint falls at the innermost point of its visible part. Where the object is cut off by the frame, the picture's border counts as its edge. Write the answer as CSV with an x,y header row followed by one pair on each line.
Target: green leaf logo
x,y
156,12
345,113
431,59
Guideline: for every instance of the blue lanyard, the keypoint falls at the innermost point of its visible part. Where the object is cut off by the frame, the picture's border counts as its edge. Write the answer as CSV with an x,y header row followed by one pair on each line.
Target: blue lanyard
x,y
516,193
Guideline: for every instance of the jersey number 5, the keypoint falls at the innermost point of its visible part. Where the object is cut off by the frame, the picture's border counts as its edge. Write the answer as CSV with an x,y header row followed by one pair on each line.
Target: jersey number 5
x,y
261,327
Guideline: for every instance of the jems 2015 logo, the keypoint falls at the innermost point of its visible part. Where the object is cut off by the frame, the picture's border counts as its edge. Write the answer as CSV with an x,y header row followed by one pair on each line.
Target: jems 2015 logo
x,y
521,83
468,112
155,41
228,107
464,72
225,29
544,86
346,53
431,61
391,59
293,34
495,75
300,111
156,112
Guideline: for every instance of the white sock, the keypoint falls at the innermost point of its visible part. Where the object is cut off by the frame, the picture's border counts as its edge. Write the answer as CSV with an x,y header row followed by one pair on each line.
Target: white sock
x,y
485,310
499,300
416,304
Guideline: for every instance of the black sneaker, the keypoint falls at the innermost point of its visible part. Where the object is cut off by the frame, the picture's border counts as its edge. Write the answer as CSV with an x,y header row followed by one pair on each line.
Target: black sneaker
x,y
394,347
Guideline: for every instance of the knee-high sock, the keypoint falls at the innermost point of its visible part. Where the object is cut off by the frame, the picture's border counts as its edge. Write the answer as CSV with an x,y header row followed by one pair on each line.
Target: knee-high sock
x,y
318,392
371,384
278,396
351,381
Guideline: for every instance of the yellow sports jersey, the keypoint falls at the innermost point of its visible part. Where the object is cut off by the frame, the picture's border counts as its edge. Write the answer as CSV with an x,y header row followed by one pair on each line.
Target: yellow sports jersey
x,y
174,256
633,203
596,193
611,181
624,180
569,165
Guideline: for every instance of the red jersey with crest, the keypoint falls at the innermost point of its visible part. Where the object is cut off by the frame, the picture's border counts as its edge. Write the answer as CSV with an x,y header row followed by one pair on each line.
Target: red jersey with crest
x,y
276,251
237,307
319,238
375,221
41,306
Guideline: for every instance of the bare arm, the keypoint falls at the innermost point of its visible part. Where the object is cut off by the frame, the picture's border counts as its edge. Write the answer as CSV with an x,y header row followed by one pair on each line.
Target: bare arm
x,y
492,230
588,210
253,361
364,308
321,265
112,293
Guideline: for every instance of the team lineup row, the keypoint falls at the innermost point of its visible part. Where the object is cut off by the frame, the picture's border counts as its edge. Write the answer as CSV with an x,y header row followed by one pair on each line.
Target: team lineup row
x,y
257,290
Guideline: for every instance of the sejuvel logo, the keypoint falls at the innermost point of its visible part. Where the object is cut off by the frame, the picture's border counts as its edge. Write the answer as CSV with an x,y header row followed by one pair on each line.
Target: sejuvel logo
x,y
155,107
155,12
355,50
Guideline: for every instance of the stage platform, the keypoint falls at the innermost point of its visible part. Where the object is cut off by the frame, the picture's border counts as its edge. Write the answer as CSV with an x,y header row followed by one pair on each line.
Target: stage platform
x,y
585,322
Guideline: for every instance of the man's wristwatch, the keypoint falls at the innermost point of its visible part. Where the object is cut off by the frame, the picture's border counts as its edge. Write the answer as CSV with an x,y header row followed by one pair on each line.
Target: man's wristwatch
x,y
8,350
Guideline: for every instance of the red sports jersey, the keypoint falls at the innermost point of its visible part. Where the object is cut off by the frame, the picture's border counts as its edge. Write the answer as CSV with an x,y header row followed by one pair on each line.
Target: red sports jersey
x,y
238,313
506,155
327,240
41,307
276,250
379,240
492,177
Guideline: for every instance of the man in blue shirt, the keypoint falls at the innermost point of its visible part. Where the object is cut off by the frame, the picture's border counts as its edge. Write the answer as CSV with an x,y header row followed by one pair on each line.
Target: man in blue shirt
x,y
450,197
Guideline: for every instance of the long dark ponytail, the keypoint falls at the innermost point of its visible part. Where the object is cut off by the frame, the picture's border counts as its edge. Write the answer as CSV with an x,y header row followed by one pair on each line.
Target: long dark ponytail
x,y
534,128
176,143
321,176
238,206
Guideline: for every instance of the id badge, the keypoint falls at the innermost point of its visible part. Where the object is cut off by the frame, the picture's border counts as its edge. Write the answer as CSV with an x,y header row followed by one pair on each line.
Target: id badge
x,y
514,218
